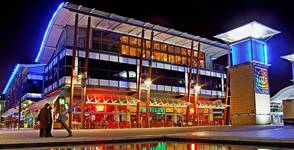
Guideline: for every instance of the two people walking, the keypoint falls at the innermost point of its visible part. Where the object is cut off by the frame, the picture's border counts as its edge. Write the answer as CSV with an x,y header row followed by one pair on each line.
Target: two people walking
x,y
46,122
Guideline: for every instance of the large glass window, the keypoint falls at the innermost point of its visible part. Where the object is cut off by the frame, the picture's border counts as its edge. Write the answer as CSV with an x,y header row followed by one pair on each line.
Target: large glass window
x,y
133,41
156,45
171,49
124,39
125,49
171,58
147,44
133,51
164,57
157,56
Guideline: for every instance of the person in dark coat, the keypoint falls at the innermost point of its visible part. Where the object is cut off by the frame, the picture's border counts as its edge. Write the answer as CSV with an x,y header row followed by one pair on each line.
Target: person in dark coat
x,y
49,134
44,118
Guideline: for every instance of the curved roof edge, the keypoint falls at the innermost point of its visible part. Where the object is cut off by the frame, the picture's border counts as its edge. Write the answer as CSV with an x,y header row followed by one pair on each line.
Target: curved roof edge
x,y
285,93
16,69
119,19
47,31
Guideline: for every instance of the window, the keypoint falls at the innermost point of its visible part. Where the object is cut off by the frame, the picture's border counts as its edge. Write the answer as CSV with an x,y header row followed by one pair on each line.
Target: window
x,y
124,39
139,53
195,53
139,41
148,44
201,55
171,58
178,60
157,56
178,50
189,53
133,41
171,49
201,64
184,60
156,45
163,47
164,57
124,49
147,54
184,51
133,51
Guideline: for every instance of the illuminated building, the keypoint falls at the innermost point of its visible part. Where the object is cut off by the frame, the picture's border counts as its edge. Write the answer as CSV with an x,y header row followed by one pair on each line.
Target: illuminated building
x,y
284,94
114,57
23,88
249,87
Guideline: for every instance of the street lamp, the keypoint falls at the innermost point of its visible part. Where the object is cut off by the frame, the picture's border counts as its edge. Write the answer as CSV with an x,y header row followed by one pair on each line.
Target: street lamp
x,y
82,77
148,83
197,88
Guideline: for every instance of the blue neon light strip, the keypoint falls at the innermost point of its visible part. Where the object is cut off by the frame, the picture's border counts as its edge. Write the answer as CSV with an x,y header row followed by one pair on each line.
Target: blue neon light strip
x,y
11,78
265,54
47,31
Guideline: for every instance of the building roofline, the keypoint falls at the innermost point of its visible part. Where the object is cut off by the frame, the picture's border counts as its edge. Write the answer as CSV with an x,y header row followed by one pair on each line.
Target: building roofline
x,y
121,19
16,69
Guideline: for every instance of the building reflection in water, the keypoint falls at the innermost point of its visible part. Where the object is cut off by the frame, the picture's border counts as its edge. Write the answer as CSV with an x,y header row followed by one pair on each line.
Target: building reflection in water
x,y
158,146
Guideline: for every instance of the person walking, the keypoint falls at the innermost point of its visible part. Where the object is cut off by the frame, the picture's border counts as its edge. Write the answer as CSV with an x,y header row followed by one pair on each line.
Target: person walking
x,y
50,123
43,117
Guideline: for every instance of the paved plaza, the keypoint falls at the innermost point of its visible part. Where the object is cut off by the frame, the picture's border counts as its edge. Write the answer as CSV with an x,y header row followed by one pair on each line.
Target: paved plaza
x,y
261,135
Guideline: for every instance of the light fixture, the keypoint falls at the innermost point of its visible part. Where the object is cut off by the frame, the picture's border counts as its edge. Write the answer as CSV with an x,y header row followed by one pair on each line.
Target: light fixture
x,y
148,82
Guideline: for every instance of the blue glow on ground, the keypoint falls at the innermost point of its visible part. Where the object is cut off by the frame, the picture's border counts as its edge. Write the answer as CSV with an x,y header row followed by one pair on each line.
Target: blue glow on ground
x,y
47,31
11,78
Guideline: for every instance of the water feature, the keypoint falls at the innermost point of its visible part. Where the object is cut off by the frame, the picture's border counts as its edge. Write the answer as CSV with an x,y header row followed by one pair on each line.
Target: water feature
x,y
156,146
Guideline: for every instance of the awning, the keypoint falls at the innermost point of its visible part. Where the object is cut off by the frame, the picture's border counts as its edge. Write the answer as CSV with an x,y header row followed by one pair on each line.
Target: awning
x,y
9,112
211,104
168,102
112,99
38,105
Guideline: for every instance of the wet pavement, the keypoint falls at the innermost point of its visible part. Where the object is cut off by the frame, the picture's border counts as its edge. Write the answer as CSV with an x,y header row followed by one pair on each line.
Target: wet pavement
x,y
261,135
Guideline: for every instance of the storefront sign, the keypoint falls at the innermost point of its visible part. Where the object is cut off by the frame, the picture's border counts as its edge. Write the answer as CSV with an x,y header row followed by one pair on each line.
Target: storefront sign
x,y
154,110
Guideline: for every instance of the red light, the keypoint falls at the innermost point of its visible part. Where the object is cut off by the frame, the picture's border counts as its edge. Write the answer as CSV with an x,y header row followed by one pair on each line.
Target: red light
x,y
99,107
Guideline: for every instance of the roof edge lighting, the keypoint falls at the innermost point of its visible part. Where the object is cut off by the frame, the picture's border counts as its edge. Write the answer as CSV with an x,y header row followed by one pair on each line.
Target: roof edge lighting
x,y
11,78
47,31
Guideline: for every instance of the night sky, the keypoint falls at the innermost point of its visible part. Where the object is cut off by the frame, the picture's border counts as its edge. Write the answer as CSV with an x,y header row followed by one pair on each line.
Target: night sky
x,y
23,24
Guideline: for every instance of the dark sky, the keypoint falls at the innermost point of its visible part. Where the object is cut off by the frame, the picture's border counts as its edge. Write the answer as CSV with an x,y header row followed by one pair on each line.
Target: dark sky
x,y
23,24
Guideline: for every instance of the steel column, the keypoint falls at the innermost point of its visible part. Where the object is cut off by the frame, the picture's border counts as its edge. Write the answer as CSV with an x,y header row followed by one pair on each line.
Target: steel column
x,y
189,81
139,80
73,69
84,79
196,97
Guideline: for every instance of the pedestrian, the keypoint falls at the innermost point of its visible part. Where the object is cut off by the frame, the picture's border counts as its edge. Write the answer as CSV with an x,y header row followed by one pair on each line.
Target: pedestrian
x,y
43,117
50,123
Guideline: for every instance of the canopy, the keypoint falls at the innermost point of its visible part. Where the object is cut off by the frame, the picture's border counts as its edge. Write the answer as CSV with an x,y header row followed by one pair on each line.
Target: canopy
x,y
38,105
113,99
168,102
253,29
9,112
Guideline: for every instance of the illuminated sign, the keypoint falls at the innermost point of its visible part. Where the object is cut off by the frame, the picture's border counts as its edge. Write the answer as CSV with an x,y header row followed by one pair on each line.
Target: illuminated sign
x,y
154,110
99,107
261,80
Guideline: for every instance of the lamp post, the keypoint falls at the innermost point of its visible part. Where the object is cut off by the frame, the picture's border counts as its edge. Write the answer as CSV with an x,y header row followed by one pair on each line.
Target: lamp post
x,y
196,98
148,83
82,77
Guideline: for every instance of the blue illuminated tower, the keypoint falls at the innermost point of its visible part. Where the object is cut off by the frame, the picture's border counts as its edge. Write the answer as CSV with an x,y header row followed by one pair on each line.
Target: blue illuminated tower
x,y
249,86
